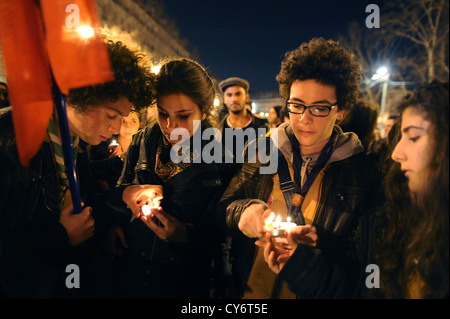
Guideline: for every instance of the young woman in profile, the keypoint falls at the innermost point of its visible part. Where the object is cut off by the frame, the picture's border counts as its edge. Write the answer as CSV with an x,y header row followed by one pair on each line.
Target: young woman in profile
x,y
169,252
414,247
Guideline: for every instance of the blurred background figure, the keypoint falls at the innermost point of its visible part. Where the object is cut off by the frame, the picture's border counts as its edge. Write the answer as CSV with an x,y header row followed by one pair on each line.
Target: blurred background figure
x,y
130,125
4,100
362,120
382,147
284,114
275,116
389,123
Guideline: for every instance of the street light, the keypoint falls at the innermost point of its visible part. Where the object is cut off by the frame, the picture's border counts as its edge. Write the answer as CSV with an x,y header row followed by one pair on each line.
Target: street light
x,y
382,75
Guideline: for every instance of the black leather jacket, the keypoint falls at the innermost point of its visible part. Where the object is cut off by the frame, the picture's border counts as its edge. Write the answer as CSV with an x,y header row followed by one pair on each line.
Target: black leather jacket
x,y
154,268
349,190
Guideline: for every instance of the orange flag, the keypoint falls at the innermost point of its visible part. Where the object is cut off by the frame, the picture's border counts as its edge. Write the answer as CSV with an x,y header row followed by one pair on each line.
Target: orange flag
x,y
57,38
78,57
27,73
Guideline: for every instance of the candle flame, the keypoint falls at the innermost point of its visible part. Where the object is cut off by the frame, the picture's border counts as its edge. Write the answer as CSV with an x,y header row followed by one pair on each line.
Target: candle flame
x,y
276,223
147,209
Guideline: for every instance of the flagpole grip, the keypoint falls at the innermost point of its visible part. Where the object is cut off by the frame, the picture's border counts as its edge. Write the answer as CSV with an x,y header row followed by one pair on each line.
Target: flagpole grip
x,y
66,142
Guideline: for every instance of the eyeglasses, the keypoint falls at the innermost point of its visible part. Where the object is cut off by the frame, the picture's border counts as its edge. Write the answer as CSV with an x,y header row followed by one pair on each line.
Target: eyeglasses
x,y
315,110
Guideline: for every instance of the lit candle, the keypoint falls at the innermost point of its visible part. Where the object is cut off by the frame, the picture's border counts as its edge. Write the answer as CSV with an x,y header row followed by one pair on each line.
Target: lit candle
x,y
113,143
280,229
146,211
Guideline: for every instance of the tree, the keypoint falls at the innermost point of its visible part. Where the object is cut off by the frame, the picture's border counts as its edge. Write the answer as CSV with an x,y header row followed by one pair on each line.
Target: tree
x,y
372,48
424,23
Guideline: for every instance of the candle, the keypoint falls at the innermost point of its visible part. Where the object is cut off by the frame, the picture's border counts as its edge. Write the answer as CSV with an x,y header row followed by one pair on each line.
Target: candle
x,y
113,143
280,229
146,211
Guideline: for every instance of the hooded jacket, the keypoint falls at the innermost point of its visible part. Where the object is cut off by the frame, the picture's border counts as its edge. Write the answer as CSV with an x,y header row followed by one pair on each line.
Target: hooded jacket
x,y
349,184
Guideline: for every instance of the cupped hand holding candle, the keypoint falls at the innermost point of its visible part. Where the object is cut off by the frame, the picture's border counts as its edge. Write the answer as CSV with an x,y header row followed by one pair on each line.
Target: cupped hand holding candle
x,y
278,250
114,148
254,219
165,226
304,234
278,228
136,196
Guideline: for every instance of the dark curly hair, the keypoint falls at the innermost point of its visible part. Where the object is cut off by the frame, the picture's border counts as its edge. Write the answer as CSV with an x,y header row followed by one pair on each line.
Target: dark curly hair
x,y
132,79
326,62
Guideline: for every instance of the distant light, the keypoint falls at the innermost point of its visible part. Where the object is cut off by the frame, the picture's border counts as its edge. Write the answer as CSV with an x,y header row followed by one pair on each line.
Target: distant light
x,y
85,31
216,102
261,114
266,114
382,71
156,69
382,74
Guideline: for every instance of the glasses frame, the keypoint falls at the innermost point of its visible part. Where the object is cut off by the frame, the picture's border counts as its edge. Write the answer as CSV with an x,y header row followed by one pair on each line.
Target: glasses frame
x,y
308,107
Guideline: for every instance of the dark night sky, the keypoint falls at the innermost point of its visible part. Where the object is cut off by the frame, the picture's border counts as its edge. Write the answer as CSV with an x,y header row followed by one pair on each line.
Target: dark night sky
x,y
248,38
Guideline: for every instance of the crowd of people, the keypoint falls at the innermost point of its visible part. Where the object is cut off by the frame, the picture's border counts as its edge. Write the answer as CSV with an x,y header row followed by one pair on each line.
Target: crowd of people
x,y
160,220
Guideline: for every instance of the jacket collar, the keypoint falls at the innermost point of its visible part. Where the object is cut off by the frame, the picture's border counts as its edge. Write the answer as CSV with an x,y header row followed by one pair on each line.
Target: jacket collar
x,y
348,143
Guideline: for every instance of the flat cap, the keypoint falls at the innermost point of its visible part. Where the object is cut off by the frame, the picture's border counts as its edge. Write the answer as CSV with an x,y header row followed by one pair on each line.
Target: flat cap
x,y
234,81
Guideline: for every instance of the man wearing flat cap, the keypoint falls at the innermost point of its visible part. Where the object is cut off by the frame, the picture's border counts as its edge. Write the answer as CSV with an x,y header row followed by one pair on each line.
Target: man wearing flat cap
x,y
244,125
235,97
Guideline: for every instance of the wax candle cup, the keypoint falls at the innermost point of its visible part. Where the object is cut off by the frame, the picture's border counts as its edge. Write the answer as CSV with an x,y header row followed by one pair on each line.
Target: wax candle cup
x,y
278,232
281,229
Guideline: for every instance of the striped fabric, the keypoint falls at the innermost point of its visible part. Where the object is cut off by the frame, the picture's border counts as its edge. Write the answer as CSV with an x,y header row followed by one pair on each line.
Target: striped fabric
x,y
58,154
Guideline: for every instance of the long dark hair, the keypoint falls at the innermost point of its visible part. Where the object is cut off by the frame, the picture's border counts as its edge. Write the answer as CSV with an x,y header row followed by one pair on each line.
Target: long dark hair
x,y
182,75
415,242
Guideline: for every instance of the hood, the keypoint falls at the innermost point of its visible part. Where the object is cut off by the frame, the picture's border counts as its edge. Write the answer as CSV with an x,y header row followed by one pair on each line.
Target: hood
x,y
348,144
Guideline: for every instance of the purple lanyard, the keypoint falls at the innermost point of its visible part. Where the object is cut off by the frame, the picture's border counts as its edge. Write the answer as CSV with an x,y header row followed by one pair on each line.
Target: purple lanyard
x,y
297,164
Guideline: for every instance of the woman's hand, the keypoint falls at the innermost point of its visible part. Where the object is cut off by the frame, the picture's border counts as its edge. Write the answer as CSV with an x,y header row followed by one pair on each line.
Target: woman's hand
x,y
114,150
171,229
136,196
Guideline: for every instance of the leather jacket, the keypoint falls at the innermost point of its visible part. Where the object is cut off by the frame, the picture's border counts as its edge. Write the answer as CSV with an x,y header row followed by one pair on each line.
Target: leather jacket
x,y
154,268
347,192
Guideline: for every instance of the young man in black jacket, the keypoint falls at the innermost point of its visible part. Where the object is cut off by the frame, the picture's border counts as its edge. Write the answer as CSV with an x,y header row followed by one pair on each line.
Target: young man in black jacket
x,y
39,235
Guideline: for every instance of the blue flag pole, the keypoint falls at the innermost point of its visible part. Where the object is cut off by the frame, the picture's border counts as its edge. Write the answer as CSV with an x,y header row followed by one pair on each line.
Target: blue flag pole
x,y
66,142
